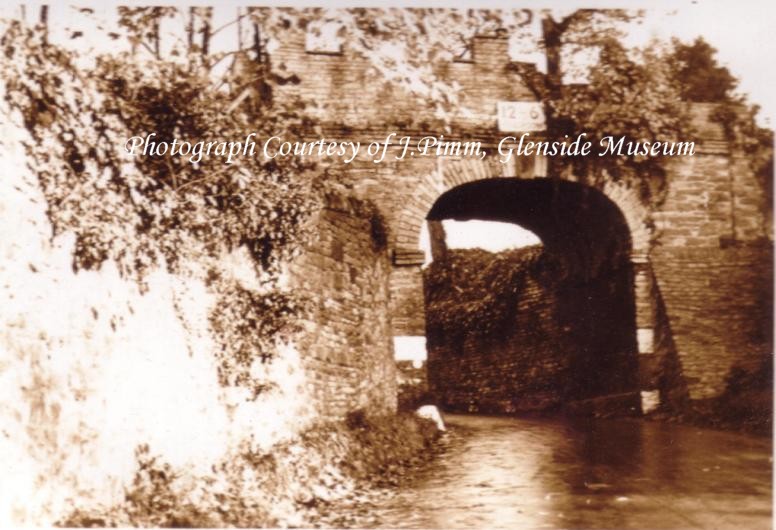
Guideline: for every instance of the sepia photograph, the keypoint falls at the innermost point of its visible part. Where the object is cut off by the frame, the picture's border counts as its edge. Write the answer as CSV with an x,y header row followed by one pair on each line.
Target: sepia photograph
x,y
419,265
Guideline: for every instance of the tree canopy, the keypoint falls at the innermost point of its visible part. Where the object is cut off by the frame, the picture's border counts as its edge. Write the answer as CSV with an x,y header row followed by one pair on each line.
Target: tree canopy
x,y
698,74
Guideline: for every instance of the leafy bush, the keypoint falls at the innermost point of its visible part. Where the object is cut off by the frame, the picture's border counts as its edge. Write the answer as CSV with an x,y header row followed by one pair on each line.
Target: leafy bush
x,y
290,485
146,212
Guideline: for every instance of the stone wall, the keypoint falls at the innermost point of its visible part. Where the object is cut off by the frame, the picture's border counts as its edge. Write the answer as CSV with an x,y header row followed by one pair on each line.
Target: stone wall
x,y
712,260
719,306
563,341
347,346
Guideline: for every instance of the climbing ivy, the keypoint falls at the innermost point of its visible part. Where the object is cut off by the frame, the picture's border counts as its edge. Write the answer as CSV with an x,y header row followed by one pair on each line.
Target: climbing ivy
x,y
148,212
245,333
485,291
632,94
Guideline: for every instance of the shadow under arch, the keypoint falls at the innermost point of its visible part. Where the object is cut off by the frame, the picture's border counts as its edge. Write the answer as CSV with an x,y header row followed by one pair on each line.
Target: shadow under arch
x,y
593,328
573,220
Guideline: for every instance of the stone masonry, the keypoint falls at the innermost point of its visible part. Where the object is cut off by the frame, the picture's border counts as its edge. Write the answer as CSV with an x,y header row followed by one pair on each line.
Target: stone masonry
x,y
704,254
347,344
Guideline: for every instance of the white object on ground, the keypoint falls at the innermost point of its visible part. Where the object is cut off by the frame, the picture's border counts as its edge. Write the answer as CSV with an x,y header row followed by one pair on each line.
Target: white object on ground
x,y
430,412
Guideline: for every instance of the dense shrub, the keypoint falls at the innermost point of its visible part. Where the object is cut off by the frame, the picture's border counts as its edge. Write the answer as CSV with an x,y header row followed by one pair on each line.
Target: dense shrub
x,y
746,404
290,485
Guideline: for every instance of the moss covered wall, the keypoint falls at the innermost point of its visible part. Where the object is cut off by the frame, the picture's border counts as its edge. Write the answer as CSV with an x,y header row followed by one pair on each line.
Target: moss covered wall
x,y
512,332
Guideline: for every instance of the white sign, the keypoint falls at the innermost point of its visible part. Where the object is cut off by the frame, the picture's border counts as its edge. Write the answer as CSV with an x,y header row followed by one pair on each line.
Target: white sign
x,y
520,116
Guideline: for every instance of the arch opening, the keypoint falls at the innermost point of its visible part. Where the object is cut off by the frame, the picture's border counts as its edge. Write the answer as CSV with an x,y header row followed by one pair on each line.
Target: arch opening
x,y
539,328
493,236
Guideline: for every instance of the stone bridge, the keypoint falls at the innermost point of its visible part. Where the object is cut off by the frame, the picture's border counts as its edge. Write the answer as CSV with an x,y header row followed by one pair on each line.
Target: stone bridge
x,y
700,262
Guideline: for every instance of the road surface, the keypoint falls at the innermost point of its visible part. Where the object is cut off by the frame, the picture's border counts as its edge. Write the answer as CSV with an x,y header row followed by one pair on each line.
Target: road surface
x,y
614,474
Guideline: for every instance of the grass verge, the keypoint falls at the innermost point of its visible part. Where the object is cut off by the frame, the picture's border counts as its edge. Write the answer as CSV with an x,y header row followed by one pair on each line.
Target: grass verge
x,y
284,487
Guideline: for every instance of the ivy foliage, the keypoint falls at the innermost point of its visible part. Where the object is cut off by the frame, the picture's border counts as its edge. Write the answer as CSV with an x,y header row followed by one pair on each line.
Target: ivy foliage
x,y
246,326
632,94
142,211
699,75
150,212
475,293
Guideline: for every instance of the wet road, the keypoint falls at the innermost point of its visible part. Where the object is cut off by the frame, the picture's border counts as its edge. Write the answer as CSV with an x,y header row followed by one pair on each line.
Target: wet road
x,y
517,473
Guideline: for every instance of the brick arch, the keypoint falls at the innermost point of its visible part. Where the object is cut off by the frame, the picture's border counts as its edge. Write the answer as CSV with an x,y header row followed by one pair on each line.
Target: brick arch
x,y
635,218
452,173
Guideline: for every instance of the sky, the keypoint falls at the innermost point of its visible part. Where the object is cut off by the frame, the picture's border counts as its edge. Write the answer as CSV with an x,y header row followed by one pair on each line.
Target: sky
x,y
742,32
